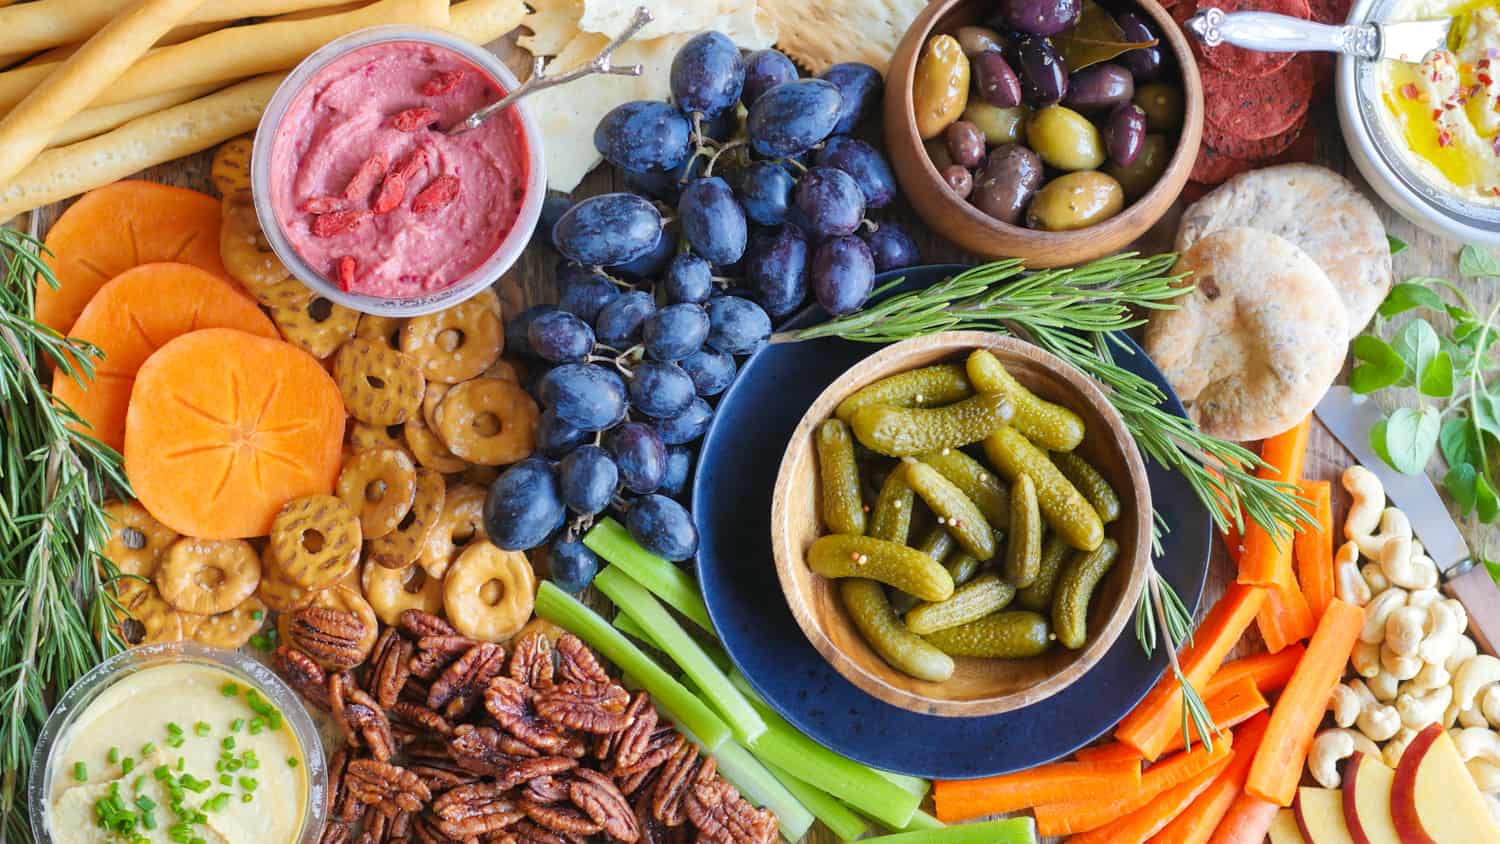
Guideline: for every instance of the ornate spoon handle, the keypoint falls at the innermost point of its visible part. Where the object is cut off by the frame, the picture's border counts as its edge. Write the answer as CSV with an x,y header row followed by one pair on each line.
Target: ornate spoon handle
x,y
1272,33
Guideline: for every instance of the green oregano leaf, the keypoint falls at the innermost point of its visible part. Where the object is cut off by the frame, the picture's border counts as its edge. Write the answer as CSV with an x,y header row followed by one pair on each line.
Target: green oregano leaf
x,y
1380,366
1410,437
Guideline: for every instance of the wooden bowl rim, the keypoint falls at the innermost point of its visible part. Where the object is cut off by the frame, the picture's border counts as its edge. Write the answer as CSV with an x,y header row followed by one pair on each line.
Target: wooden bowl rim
x,y
1100,642
899,78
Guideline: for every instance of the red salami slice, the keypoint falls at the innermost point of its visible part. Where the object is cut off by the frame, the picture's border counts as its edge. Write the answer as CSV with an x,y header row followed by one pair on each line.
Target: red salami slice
x,y
1250,64
1253,109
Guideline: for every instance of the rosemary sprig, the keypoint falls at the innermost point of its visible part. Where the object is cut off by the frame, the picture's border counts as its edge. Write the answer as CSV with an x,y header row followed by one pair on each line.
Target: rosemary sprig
x,y
54,620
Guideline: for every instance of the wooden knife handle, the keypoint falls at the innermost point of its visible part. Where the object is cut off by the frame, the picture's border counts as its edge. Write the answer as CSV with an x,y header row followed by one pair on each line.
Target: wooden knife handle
x,y
1479,594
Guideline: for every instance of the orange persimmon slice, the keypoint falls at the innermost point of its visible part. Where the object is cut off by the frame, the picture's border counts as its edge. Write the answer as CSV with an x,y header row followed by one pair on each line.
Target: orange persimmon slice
x,y
135,314
225,427
119,226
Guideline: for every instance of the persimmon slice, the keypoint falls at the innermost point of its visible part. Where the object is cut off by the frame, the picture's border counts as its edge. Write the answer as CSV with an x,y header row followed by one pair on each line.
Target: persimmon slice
x,y
133,315
225,427
119,226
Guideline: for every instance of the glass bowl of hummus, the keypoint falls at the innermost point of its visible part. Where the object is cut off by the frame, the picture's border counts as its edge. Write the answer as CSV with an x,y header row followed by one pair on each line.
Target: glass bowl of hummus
x,y
363,194
1427,136
178,742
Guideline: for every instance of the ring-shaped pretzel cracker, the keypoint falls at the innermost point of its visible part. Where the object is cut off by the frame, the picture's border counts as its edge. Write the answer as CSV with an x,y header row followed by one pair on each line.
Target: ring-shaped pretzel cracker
x,y
363,436
208,576
394,591
380,485
431,398
248,259
380,385
489,593
230,170
429,448
455,344
505,370
231,629
137,540
403,545
316,540
488,421
343,599
319,327
385,330
275,591
143,616
460,525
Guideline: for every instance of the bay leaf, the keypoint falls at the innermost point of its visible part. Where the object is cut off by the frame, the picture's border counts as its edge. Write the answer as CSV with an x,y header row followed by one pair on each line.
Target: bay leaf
x,y
1093,39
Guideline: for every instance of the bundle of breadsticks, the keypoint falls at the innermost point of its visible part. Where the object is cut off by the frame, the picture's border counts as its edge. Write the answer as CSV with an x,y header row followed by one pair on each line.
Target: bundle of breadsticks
x,y
102,89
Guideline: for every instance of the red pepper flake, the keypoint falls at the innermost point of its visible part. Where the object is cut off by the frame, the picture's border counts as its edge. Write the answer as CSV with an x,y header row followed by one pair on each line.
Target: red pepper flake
x,y
1409,91
1437,113
439,193
442,83
346,268
338,222
1495,145
1445,138
413,119
325,205
392,191
1484,79
366,177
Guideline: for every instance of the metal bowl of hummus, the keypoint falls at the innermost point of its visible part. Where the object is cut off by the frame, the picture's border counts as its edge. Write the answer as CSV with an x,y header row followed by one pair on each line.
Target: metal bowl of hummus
x,y
1427,136
178,742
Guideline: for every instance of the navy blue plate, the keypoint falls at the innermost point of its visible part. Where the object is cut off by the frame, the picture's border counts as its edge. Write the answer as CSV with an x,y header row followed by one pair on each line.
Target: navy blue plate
x,y
732,501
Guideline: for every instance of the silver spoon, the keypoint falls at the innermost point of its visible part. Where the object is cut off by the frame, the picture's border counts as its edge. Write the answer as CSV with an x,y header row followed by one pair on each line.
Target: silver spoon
x,y
602,63
1407,41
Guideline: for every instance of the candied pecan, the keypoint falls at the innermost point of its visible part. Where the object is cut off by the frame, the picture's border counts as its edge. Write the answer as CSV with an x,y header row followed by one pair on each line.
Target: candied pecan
x,y
332,637
546,790
486,750
531,661
422,717
598,797
425,830
591,707
576,663
386,787
638,785
405,734
510,703
472,810
391,666
462,683
360,718
429,748
529,769
415,689
336,833
441,776
561,817
663,743
383,829
428,664
527,831
677,776
450,645
419,623
342,805
626,747
302,674
721,816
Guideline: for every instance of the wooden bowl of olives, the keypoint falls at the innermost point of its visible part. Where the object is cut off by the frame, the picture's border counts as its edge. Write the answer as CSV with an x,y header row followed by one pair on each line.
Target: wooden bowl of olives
x,y
1006,150
962,524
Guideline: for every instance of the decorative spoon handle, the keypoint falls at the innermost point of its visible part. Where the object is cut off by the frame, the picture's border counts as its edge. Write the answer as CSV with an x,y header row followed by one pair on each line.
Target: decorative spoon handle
x,y
1272,33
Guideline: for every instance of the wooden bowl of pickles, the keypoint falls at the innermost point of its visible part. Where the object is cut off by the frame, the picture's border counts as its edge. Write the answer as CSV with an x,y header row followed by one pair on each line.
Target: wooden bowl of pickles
x,y
962,524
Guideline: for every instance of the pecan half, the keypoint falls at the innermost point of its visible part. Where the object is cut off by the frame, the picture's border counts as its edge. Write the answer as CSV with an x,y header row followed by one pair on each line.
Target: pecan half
x,y
302,674
527,770
421,717
587,706
526,831
360,718
531,661
463,682
486,750
723,817
510,703
418,623
441,776
546,790
425,830
677,776
386,787
382,829
331,637
597,796
659,748
628,746
428,664
561,818
391,666
342,805
473,810
336,833
576,663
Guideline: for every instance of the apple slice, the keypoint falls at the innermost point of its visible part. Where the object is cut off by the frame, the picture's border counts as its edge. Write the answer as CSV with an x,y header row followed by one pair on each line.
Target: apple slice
x,y
1320,816
1284,828
1367,801
1433,798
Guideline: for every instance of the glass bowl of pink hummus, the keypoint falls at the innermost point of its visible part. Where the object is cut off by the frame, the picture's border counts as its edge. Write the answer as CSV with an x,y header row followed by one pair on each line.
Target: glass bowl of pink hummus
x,y
366,198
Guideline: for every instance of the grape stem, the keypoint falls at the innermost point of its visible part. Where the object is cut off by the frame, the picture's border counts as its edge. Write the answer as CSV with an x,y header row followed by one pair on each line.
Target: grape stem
x,y
708,170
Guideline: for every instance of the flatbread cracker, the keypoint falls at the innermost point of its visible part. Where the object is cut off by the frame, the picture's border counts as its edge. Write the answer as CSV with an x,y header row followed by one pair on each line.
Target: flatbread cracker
x,y
742,20
819,33
1257,342
553,23
1319,211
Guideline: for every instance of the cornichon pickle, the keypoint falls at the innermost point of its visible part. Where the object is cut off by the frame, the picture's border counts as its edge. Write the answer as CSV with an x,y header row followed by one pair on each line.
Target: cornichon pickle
x,y
972,601
1023,545
877,622
981,485
1008,634
930,386
1048,424
1062,505
955,512
843,508
906,431
1070,607
907,569
1038,596
891,517
962,567
1088,481
937,545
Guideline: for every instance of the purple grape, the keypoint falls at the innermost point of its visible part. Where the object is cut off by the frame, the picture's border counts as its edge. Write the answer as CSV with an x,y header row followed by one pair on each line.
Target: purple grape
x,y
712,371
555,438
794,116
663,527
619,322
674,332
584,293
712,221
585,396
571,565
587,479
776,269
843,274
829,203
560,337
892,247
860,85
660,389
864,164
688,278
686,426
766,192
640,454
679,467
520,324
764,70
707,74
736,326
653,262
608,229
523,506
644,135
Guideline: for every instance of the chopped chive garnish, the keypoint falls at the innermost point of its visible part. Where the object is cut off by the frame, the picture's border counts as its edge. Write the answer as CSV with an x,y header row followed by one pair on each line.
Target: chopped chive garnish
x,y
162,772
236,725
148,748
229,690
249,783
227,743
173,728
127,764
146,803
80,772
233,765
246,797
113,756
174,741
291,761
226,779
257,615
201,728
252,763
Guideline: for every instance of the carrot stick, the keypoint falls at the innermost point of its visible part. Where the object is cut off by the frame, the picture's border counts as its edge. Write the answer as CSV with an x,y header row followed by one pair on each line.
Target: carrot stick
x,y
961,800
1286,453
1153,724
1313,548
1270,671
1234,703
1263,560
1101,807
1247,821
1110,751
1197,822
1148,820
1278,762
1285,618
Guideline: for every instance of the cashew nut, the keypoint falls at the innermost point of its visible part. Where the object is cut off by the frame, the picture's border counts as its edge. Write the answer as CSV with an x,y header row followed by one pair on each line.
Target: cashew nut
x,y
1331,747
1473,676
1459,613
1393,524
1423,598
1374,577
1478,743
1376,720
1398,666
1432,675
1417,711
1376,613
1404,565
1442,633
1403,630
1489,704
1364,513
1393,749
1345,704
1486,775
1366,659
1472,717
1463,651
1384,686
1450,716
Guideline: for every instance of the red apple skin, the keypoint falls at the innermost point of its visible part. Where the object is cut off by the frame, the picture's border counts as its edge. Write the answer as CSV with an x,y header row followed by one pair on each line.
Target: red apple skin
x,y
1357,768
1301,824
1403,791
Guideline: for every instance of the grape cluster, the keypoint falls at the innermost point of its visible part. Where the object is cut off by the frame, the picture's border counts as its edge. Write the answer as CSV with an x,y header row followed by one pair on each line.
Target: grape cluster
x,y
743,193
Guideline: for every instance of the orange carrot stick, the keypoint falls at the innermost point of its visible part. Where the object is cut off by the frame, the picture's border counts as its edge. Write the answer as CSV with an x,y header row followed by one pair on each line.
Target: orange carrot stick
x,y
961,800
1110,751
1264,560
1151,818
1197,822
1247,821
1102,807
1278,762
1153,724
1313,548
1285,618
1233,703
1270,671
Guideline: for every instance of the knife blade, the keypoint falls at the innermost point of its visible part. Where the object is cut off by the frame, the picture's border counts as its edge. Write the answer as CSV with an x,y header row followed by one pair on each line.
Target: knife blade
x,y
1349,418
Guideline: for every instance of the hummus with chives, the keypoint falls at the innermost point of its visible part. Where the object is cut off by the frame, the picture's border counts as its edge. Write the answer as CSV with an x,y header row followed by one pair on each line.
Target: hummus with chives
x,y
1447,109
178,753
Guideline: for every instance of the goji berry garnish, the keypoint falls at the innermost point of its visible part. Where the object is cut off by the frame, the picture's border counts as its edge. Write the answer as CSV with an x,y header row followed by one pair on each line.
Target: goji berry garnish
x,y
392,191
414,118
325,205
366,177
413,162
442,83
346,267
338,222
438,194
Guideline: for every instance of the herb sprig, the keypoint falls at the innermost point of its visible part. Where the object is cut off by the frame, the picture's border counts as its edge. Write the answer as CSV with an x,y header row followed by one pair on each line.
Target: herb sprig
x,y
54,619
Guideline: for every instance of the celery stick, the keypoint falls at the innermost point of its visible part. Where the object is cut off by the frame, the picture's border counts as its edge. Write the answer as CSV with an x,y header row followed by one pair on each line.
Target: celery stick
x,y
610,540
916,785
564,610
763,788
834,815
627,625
633,599
922,820
1008,831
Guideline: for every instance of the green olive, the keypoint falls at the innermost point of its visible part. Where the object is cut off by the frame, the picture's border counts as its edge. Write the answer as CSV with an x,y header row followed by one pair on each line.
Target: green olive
x,y
999,125
1075,201
937,151
941,87
1147,168
1065,139
1163,106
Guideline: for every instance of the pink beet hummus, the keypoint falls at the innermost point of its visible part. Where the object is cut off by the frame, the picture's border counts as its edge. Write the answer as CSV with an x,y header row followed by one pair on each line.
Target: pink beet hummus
x,y
372,193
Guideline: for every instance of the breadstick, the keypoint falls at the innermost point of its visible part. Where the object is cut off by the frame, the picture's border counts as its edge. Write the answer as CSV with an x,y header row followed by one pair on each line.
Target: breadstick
x,y
82,77
48,23
97,121
144,142
483,21
236,52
